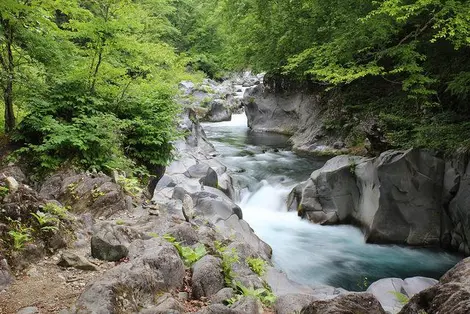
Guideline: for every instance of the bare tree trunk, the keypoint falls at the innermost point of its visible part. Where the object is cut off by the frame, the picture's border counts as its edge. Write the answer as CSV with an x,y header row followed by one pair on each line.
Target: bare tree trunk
x,y
9,68
95,73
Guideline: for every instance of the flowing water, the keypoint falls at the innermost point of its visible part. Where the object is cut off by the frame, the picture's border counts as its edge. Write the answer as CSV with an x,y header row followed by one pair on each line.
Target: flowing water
x,y
308,253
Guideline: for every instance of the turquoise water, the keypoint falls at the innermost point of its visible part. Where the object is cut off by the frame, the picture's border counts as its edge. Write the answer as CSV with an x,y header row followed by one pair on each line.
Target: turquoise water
x,y
308,253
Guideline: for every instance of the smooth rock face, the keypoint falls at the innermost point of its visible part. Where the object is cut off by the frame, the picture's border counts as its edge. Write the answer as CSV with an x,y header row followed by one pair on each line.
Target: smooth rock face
x,y
450,295
360,303
388,290
207,277
394,198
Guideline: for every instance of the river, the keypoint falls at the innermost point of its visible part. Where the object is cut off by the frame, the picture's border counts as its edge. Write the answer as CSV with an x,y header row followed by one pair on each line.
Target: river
x,y
311,254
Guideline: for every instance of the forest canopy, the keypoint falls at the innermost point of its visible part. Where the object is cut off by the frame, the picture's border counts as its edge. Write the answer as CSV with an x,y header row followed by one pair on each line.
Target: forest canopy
x,y
93,82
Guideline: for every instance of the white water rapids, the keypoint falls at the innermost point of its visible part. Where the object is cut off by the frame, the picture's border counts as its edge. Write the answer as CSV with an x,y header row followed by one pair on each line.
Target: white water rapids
x,y
308,253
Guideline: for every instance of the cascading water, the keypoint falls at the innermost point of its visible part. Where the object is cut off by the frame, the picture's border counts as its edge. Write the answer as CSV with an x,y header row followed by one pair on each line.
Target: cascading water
x,y
308,253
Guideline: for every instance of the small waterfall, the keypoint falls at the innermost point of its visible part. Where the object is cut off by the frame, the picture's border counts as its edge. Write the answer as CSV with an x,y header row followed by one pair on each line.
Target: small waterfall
x,y
308,253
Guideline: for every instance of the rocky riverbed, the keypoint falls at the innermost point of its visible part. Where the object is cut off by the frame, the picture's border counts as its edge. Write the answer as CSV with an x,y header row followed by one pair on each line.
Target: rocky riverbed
x,y
186,249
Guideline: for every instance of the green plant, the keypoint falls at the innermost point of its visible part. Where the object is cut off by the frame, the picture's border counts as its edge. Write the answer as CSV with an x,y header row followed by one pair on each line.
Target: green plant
x,y
130,185
21,235
4,191
46,222
402,298
188,254
191,256
363,283
352,166
229,257
257,265
96,193
55,210
265,295
121,222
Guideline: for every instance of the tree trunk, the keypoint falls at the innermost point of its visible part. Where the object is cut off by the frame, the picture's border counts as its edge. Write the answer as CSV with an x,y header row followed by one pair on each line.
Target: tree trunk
x,y
9,67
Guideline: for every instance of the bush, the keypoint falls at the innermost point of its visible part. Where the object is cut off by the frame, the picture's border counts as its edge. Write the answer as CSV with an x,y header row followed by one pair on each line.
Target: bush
x,y
92,133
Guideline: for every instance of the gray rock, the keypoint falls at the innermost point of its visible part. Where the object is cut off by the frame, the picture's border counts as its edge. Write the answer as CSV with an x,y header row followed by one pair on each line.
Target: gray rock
x,y
384,290
28,310
69,259
210,179
5,274
415,285
154,266
217,309
292,303
346,304
12,184
110,242
395,198
93,193
15,172
218,112
184,233
248,305
165,304
450,295
207,277
222,296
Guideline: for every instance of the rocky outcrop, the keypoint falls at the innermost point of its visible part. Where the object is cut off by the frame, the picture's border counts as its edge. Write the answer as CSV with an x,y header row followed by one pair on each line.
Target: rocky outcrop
x,y
451,295
207,277
154,266
395,198
95,193
302,110
392,292
345,304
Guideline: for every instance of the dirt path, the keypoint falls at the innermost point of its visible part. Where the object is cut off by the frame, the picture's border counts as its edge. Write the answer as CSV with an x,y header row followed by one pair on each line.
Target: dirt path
x,y
47,286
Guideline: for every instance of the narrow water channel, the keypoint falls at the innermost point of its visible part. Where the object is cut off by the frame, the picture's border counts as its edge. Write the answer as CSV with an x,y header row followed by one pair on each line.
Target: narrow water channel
x,y
266,169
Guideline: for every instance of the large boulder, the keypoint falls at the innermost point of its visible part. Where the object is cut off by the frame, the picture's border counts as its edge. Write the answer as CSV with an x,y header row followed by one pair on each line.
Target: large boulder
x,y
458,210
360,303
395,198
207,277
218,112
86,193
391,292
450,295
110,242
154,267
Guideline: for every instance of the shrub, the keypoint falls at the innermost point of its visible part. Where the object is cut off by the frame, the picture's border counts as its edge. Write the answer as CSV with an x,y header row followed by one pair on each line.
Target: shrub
x,y
257,265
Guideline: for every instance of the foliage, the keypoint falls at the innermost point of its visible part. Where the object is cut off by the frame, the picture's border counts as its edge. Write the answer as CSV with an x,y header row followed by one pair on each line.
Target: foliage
x,y
4,190
188,254
257,265
56,210
20,235
96,88
402,298
229,257
130,185
46,222
263,294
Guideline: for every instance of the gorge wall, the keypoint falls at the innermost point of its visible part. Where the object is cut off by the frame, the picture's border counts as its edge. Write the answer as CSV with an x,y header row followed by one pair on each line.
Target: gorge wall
x,y
408,197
